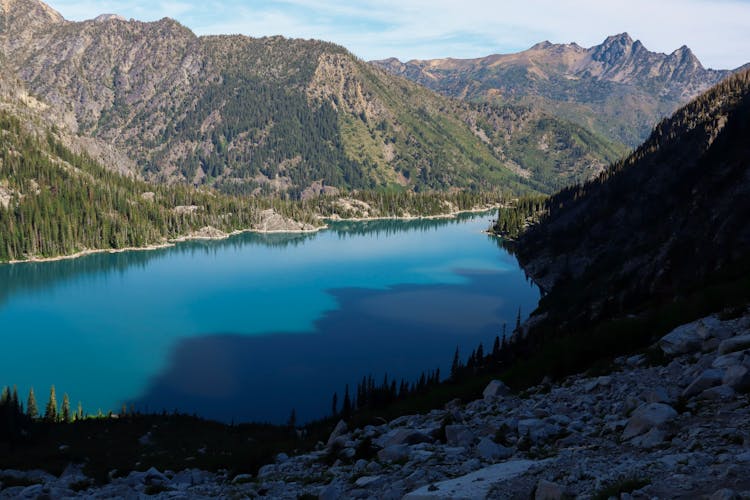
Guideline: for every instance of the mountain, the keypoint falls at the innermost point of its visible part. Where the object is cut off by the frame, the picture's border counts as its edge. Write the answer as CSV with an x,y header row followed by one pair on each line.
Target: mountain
x,y
618,89
273,115
659,237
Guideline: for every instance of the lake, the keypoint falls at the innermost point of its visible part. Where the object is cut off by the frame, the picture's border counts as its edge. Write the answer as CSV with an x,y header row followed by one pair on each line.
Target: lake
x,y
250,327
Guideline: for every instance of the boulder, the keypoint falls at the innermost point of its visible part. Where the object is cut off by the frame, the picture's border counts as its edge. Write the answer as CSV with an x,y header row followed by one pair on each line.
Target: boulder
x,y
330,492
735,344
727,360
656,395
724,494
738,378
646,417
242,478
718,393
153,476
407,436
547,490
538,431
682,340
651,439
338,431
709,378
494,389
365,481
394,453
459,435
474,485
489,450
598,382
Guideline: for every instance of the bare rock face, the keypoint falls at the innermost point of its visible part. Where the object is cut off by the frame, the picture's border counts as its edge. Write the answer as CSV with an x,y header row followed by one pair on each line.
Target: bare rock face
x,y
271,221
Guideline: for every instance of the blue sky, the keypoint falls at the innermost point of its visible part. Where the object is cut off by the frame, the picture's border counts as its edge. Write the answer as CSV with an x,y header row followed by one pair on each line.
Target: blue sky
x,y
718,31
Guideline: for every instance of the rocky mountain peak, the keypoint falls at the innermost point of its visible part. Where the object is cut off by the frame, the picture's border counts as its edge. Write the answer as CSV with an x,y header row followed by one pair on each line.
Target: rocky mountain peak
x,y
109,17
685,57
623,39
28,12
614,49
541,45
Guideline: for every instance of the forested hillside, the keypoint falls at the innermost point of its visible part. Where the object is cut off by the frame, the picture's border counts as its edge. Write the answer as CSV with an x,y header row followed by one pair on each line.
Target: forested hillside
x,y
278,116
661,237
54,202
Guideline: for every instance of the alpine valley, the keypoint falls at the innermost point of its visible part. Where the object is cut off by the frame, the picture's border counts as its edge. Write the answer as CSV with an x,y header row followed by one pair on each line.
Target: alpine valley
x,y
518,276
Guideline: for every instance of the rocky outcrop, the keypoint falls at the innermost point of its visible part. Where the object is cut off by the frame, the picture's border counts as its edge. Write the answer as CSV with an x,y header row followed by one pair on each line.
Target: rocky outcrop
x,y
272,221
630,429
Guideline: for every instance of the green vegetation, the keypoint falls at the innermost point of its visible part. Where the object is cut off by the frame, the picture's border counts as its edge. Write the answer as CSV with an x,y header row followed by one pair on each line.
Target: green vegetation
x,y
514,219
61,203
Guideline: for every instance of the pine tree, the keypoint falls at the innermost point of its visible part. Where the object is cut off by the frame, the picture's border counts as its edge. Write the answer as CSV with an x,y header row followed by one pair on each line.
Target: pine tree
x,y
496,348
50,412
15,402
518,320
79,412
456,366
31,408
66,408
346,407
292,422
5,396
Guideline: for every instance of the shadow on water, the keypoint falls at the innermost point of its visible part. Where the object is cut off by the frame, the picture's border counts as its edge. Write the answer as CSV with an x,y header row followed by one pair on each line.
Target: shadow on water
x,y
400,331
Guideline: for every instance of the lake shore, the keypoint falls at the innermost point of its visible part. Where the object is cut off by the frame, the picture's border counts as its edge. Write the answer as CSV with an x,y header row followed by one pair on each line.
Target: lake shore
x,y
198,236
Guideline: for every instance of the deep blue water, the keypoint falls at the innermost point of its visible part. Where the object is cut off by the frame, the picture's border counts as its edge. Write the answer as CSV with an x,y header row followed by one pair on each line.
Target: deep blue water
x,y
253,326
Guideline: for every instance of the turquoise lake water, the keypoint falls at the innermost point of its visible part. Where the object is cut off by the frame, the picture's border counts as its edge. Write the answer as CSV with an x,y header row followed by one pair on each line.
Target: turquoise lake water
x,y
250,327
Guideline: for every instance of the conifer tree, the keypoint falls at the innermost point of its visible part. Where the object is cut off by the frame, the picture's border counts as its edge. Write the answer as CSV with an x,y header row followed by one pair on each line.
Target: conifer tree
x,y
31,408
496,347
292,422
5,396
66,408
346,407
518,320
50,412
79,412
14,401
456,366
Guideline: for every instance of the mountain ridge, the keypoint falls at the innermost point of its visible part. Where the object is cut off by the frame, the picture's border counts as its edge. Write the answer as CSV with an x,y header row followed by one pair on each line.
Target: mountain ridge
x,y
618,88
276,115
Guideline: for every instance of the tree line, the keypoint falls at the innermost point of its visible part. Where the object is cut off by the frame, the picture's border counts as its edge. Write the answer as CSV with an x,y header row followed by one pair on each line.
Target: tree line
x,y
56,202
513,219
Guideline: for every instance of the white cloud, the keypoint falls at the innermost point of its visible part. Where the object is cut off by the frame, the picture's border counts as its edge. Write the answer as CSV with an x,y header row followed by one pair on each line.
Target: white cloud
x,y
718,31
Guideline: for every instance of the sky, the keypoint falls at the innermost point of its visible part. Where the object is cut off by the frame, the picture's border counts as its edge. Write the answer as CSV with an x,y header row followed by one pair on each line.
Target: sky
x,y
718,31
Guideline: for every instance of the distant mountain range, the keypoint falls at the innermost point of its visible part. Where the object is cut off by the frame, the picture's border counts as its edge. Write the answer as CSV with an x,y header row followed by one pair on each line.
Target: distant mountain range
x,y
618,89
273,115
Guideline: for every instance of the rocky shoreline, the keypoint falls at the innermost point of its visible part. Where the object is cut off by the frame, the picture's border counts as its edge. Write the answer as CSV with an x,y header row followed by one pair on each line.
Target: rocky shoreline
x,y
674,422
271,223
